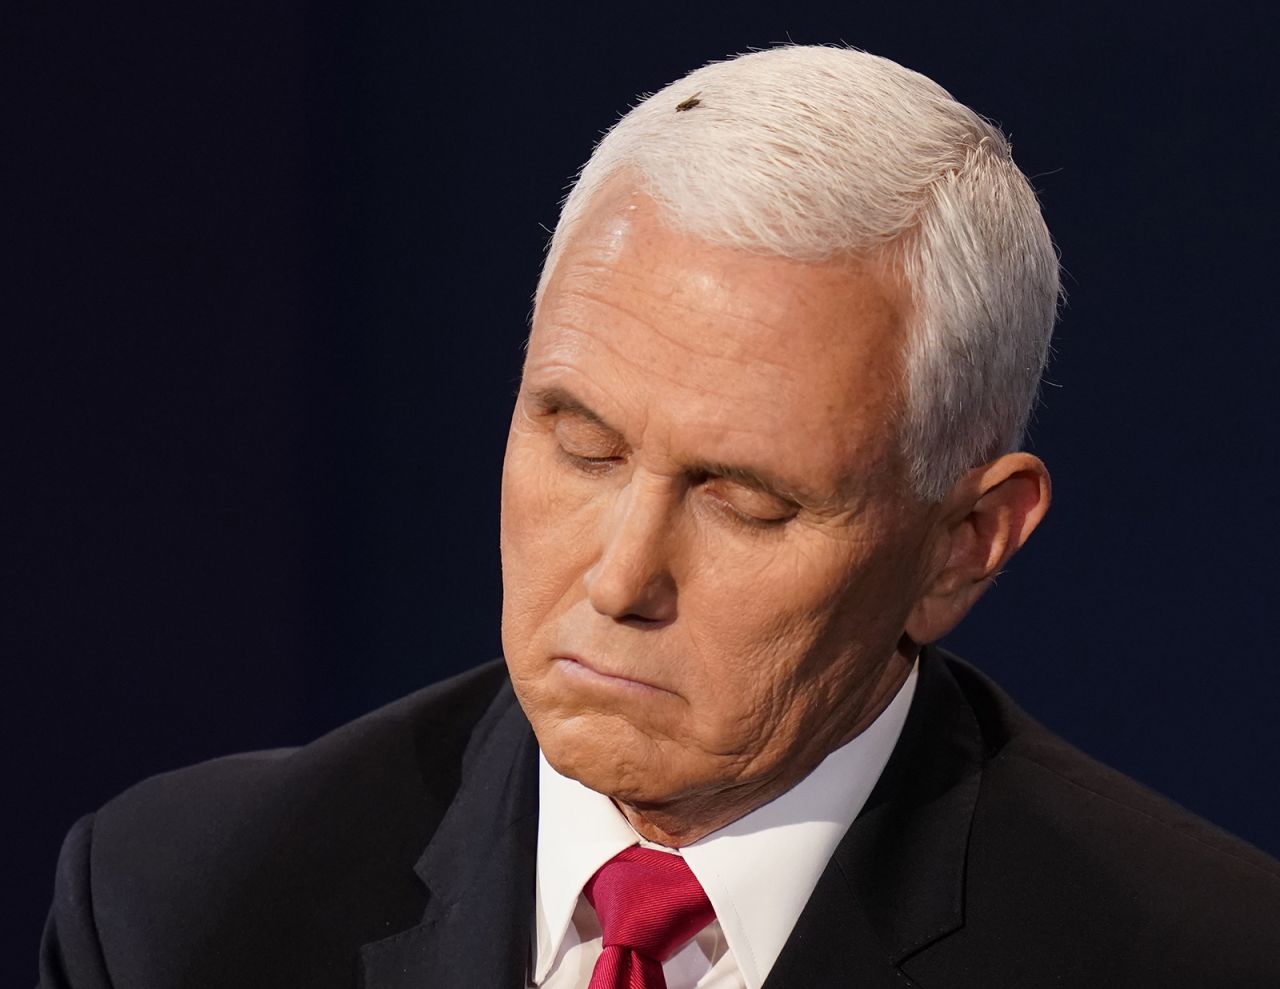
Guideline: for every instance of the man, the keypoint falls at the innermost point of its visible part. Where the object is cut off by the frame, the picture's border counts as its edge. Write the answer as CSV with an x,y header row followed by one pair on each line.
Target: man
x,y
764,452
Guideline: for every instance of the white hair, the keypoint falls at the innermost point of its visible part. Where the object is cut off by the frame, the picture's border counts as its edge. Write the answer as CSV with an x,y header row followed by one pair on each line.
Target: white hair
x,y
813,152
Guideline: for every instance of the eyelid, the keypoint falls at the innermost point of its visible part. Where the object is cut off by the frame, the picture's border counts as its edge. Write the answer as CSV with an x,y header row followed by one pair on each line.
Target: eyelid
x,y
601,464
584,434
791,510
589,465
610,455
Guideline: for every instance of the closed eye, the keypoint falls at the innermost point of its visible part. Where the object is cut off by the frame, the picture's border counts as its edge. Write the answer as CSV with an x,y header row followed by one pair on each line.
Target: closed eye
x,y
587,445
751,508
588,464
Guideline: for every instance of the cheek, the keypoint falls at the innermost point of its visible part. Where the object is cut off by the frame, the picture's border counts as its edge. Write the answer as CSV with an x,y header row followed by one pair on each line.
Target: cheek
x,y
750,635
545,542
766,602
774,643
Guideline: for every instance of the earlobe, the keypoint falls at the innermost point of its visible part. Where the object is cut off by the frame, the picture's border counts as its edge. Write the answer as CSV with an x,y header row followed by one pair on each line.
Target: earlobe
x,y
992,512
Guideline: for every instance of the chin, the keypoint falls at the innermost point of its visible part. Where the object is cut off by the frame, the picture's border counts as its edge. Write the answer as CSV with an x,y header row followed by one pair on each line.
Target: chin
x,y
616,760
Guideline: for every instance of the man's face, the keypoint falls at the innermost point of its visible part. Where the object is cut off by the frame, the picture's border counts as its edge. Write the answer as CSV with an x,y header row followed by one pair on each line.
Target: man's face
x,y
708,549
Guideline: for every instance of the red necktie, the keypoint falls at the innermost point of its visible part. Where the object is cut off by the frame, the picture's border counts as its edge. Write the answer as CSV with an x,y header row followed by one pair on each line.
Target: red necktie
x,y
650,906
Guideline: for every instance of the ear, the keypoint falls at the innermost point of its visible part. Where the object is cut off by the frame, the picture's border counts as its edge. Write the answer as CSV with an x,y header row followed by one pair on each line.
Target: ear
x,y
986,518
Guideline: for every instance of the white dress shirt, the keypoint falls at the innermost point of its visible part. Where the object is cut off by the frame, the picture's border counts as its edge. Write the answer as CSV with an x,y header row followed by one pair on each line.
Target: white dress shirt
x,y
758,872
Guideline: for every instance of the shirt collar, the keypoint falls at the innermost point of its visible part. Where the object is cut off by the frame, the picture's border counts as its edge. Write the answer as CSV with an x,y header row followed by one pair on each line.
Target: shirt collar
x,y
758,871
579,830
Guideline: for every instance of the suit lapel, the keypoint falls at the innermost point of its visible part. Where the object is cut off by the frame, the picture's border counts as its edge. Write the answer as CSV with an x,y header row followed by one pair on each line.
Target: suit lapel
x,y
896,881
834,945
478,870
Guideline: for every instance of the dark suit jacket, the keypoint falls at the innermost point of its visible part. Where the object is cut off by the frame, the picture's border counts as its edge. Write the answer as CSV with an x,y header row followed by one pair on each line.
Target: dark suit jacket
x,y
399,851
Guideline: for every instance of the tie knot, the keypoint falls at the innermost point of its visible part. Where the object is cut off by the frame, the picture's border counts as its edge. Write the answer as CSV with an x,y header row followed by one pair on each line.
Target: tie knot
x,y
649,902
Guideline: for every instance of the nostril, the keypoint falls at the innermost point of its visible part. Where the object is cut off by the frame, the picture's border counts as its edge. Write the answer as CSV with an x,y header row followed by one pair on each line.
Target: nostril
x,y
639,621
631,597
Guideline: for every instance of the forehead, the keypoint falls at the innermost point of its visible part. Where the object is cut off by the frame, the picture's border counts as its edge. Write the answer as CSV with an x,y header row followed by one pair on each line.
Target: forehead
x,y
666,334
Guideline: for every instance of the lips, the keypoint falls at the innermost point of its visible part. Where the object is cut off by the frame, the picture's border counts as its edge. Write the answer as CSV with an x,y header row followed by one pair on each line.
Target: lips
x,y
599,672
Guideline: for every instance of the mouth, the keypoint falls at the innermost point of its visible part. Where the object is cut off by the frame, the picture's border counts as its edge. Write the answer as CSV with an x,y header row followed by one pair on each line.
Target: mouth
x,y
597,674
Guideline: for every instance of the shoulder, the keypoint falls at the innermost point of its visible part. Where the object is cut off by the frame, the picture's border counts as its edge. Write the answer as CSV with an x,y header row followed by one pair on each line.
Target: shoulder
x,y
1062,842
1048,782
251,844
440,717
412,747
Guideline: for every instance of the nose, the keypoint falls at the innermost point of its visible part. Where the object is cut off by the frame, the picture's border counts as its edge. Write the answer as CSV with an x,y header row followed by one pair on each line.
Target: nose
x,y
631,580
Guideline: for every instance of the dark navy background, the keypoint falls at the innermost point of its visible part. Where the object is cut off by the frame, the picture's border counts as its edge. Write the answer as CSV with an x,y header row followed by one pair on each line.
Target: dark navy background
x,y
269,272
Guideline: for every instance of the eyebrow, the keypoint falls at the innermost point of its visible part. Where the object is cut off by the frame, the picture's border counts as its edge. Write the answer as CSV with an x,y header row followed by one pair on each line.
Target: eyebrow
x,y
556,399
559,400
755,479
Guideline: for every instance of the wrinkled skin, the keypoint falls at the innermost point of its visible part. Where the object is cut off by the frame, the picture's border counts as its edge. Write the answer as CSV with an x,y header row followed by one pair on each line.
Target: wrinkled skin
x,y
714,569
